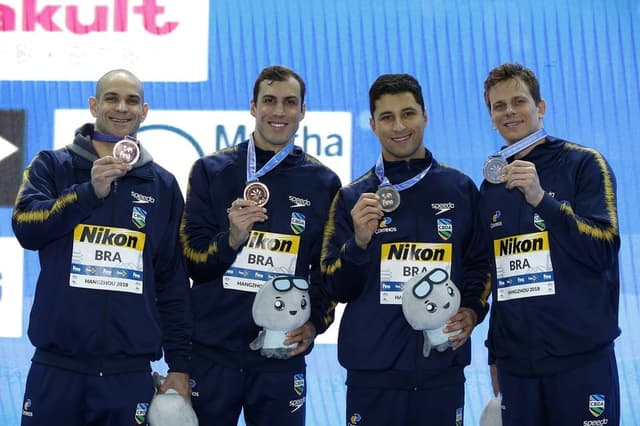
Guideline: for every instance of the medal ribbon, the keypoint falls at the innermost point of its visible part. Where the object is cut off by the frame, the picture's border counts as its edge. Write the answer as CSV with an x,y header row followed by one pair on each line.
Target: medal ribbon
x,y
379,170
103,137
521,145
252,174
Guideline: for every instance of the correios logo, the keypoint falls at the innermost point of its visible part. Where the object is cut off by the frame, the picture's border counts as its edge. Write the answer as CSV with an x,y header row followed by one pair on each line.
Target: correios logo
x,y
57,17
78,40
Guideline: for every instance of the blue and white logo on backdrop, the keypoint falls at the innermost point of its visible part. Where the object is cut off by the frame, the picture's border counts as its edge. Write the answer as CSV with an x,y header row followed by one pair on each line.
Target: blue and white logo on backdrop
x,y
176,139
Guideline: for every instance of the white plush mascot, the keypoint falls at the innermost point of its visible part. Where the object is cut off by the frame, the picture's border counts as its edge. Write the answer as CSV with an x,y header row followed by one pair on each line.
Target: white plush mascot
x,y
281,305
429,299
170,408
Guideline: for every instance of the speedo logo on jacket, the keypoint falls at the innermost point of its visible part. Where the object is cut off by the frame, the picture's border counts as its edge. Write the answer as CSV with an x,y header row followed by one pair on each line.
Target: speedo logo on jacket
x,y
108,236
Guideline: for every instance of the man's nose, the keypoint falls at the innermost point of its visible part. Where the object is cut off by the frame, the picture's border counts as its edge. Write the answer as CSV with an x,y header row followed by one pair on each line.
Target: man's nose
x,y
279,108
398,125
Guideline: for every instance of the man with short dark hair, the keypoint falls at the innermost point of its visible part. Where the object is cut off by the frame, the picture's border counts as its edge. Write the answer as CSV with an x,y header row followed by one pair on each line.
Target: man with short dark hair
x,y
255,211
409,214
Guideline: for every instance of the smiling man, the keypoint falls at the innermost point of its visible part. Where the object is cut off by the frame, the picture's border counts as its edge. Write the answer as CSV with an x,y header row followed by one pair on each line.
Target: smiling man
x,y
408,214
550,212
112,292
255,211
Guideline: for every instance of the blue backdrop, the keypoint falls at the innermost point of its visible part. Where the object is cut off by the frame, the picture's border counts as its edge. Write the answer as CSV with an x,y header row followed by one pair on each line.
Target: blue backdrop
x,y
585,54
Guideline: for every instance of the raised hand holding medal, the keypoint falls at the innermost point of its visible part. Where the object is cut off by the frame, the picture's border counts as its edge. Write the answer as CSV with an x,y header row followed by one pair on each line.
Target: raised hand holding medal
x,y
493,169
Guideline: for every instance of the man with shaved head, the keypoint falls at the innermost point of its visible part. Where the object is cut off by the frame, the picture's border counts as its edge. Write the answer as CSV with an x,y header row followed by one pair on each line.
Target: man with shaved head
x,y
112,292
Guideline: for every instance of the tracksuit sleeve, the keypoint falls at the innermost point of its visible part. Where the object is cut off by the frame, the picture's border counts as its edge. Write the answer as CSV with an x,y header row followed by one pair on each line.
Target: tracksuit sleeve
x,y
343,263
322,305
476,276
172,286
43,212
589,222
205,243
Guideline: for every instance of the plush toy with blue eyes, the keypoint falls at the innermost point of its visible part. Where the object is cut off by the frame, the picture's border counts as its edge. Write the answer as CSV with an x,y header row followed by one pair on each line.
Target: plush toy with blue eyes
x,y
429,299
281,305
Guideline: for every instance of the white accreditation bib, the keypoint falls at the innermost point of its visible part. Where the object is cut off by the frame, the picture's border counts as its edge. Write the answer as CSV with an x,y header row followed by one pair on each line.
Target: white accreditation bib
x,y
266,255
523,266
399,262
107,258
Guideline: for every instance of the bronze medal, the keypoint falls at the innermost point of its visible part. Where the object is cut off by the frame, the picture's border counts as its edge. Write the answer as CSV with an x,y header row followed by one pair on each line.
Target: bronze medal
x,y
257,192
126,150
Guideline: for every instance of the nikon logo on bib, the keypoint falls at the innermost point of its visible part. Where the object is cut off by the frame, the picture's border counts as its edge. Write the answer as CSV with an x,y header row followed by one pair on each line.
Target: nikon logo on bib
x,y
109,236
399,262
266,255
523,266
107,258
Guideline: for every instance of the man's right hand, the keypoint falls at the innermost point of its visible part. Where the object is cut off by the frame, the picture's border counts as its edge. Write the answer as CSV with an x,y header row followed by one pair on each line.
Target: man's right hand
x,y
104,172
242,215
366,215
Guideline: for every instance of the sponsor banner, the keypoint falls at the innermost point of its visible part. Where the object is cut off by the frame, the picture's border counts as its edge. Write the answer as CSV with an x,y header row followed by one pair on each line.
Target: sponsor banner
x,y
67,40
11,279
176,139
11,154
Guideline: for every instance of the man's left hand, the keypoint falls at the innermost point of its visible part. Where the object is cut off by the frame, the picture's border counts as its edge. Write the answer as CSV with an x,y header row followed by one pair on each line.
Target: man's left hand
x,y
465,320
303,336
179,382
